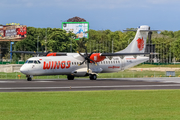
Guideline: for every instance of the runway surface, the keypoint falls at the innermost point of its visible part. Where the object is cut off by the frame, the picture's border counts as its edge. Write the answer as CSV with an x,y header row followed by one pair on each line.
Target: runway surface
x,y
86,84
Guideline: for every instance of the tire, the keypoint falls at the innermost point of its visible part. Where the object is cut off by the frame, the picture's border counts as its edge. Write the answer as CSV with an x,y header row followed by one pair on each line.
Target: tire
x,y
70,77
93,77
29,79
90,77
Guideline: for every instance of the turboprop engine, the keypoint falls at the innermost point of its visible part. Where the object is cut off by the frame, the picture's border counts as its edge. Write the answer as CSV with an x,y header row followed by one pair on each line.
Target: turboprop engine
x,y
96,57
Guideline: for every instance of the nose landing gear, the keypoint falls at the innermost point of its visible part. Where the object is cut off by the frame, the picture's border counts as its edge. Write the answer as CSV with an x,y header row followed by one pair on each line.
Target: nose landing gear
x,y
70,77
29,78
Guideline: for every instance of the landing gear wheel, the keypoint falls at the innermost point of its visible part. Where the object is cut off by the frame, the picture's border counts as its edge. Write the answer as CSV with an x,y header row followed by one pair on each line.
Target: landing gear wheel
x,y
93,77
70,77
29,78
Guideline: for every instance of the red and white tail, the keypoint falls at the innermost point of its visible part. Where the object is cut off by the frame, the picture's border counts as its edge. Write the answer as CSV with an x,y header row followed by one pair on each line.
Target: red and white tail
x,y
138,44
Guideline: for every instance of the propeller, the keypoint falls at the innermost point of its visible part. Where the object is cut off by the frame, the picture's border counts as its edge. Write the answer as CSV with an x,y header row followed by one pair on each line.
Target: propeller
x,y
87,59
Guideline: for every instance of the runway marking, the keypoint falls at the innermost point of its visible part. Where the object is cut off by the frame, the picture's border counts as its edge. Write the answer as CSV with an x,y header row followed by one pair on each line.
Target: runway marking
x,y
80,87
44,81
7,82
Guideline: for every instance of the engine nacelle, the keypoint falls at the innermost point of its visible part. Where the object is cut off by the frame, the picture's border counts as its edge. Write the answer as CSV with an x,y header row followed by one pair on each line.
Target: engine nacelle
x,y
56,54
96,57
51,54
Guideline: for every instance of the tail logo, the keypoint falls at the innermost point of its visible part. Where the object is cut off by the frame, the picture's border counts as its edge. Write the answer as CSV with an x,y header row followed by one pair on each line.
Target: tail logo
x,y
140,44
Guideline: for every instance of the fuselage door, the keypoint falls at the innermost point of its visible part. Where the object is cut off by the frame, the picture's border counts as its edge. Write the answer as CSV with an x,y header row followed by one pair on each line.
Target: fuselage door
x,y
123,64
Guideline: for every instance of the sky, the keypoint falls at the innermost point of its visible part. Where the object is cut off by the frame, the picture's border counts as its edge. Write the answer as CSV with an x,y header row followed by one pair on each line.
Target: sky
x,y
101,14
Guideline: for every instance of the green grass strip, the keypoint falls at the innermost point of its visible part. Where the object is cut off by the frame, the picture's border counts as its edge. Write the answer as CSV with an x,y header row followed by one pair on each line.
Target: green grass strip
x,y
91,105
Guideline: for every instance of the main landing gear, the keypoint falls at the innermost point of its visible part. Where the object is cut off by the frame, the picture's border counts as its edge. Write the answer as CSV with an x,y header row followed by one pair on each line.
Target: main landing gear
x,y
29,78
70,77
93,76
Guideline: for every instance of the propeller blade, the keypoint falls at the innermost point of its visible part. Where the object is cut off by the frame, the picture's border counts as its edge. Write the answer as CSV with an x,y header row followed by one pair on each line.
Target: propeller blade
x,y
81,54
82,62
90,54
47,53
93,61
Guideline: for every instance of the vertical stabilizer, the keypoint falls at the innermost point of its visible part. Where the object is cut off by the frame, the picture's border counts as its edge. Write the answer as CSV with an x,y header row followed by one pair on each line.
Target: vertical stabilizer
x,y
139,42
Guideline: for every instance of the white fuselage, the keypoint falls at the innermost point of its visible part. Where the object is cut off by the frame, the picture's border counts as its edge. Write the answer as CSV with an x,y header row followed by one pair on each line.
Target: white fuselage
x,y
67,65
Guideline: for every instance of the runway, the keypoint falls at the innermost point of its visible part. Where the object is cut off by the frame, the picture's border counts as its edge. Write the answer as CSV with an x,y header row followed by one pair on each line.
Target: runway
x,y
87,85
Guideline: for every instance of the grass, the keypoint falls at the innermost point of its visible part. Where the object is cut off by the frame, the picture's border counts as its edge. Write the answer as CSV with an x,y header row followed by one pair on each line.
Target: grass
x,y
90,105
151,66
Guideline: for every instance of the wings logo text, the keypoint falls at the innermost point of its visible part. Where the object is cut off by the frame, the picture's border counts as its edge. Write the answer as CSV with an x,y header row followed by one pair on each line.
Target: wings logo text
x,y
57,65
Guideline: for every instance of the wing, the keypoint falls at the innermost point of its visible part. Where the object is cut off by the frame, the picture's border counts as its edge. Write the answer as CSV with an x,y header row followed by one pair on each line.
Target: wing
x,y
41,53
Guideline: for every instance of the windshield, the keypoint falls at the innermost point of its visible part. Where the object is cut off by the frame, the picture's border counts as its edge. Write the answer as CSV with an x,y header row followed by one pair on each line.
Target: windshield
x,y
39,62
30,61
33,61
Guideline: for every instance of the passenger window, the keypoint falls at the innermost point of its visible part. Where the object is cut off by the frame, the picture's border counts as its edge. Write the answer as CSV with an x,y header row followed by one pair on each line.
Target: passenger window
x,y
39,62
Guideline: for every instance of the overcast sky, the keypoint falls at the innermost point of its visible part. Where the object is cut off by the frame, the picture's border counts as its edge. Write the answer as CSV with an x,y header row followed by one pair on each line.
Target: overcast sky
x,y
101,14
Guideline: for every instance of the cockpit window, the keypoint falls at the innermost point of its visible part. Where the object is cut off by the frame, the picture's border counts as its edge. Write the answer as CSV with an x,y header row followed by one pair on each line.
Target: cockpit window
x,y
39,62
33,61
30,61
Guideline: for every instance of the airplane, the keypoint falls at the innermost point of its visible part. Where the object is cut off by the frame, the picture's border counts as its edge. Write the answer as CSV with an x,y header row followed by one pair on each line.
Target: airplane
x,y
89,64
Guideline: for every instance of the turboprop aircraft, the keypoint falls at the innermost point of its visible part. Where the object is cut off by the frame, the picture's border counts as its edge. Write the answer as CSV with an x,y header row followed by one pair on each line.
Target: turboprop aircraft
x,y
89,64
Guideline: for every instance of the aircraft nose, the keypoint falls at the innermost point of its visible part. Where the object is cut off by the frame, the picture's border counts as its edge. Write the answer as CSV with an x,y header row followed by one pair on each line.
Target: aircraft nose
x,y
23,70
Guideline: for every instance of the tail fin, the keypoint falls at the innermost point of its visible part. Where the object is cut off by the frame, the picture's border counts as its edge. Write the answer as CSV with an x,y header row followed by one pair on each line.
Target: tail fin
x,y
139,42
